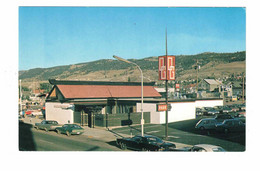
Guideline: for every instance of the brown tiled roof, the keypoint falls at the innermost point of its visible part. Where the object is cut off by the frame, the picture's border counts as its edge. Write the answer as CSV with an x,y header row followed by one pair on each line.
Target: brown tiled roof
x,y
105,91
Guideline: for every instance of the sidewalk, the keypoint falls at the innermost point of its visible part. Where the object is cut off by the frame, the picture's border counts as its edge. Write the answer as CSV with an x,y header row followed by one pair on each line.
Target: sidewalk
x,y
98,133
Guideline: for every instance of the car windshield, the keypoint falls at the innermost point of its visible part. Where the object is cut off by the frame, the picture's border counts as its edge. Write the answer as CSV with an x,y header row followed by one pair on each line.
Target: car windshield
x,y
154,140
75,126
52,122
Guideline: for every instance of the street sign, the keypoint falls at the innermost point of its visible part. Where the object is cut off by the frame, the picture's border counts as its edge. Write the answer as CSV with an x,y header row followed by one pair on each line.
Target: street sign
x,y
166,72
163,107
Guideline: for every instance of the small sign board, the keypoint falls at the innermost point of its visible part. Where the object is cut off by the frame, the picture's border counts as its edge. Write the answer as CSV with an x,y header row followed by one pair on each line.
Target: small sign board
x,y
163,107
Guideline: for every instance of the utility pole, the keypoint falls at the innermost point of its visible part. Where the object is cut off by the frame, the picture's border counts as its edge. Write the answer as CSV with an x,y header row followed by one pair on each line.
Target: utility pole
x,y
243,94
21,107
197,67
166,89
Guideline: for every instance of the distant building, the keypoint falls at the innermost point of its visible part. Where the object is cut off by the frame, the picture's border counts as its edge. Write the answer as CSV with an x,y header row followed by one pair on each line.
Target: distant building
x,y
210,84
226,90
237,87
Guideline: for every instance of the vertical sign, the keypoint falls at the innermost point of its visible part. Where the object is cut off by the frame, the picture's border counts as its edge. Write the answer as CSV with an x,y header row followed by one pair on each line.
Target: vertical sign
x,y
170,68
177,86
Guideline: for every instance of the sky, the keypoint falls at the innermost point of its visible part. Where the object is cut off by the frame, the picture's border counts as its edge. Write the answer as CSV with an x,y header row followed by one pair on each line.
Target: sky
x,y
54,36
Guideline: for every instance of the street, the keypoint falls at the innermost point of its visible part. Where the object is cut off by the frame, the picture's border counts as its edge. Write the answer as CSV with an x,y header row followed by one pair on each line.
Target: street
x,y
181,133
31,139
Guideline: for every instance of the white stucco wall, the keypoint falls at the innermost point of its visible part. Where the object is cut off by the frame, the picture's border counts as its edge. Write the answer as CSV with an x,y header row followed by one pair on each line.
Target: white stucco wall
x,y
61,112
208,103
180,111
150,107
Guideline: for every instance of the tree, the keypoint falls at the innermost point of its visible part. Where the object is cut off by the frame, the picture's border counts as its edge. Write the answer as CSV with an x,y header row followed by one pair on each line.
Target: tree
x,y
45,86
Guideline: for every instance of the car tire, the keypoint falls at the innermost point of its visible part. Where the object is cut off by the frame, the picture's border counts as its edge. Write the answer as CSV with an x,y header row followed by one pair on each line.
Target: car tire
x,y
68,133
58,131
123,146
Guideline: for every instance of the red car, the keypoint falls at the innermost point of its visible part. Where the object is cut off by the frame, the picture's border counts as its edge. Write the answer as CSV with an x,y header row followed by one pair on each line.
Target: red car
x,y
29,112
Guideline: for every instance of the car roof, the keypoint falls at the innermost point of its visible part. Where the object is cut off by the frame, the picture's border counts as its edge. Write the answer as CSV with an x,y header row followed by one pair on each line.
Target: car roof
x,y
207,146
208,119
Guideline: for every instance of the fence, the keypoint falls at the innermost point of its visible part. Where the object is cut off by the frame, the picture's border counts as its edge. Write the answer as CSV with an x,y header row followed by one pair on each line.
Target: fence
x,y
121,119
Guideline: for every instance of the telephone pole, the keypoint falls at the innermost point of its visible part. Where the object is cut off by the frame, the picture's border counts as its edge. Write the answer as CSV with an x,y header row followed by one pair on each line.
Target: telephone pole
x,y
166,89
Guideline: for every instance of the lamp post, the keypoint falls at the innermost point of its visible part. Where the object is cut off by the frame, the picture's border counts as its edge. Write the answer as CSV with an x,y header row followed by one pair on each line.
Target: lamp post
x,y
142,85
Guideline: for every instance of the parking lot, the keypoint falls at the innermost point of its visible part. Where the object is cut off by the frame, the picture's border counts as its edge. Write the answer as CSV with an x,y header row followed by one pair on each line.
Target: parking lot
x,y
184,132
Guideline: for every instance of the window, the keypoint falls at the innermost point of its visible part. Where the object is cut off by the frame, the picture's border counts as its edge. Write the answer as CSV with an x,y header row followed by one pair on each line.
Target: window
x,y
136,139
154,139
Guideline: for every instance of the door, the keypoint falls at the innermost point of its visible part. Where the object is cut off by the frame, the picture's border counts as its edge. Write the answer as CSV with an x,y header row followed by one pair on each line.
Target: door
x,y
84,118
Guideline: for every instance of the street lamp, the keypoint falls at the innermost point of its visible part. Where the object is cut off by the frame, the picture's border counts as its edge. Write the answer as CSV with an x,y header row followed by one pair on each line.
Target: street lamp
x,y
142,85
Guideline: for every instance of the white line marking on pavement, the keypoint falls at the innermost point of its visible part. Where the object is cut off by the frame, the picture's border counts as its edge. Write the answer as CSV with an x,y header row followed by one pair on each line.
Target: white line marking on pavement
x,y
173,136
152,132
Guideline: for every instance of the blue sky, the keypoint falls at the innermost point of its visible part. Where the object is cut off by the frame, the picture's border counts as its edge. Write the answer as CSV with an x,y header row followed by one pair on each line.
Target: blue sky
x,y
53,36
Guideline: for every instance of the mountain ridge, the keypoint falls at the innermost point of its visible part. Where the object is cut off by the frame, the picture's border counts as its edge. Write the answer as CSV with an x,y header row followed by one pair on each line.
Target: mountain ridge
x,y
114,70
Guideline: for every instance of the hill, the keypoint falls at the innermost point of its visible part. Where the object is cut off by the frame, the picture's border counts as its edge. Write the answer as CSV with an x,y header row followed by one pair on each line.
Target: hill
x,y
212,65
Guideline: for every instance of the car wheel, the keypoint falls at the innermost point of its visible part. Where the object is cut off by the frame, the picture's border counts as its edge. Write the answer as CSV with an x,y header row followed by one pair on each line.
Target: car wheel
x,y
123,146
58,131
68,133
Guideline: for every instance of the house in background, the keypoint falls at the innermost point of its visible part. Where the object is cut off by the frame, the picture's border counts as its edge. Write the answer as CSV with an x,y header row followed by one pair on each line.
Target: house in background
x,y
210,84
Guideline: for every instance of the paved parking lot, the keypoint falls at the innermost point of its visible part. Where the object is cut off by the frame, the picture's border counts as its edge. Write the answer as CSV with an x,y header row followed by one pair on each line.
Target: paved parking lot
x,y
184,133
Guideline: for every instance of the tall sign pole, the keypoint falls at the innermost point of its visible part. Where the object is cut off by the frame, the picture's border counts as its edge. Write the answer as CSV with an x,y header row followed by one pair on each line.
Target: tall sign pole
x,y
166,70
21,107
166,89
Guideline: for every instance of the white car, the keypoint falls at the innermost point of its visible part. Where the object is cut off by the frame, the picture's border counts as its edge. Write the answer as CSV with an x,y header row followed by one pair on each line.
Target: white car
x,y
206,148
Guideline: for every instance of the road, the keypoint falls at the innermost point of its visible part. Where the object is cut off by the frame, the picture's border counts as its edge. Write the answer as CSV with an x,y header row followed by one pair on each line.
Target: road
x,y
31,139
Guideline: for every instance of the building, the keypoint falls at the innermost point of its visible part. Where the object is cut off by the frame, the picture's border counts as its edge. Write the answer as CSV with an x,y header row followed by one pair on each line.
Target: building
x,y
83,102
210,84
108,104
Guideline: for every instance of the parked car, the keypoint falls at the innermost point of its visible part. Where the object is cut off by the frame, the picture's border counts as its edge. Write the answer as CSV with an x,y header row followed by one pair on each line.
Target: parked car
x,y
226,109
47,125
222,117
144,143
202,148
219,108
199,111
230,125
70,129
210,111
235,107
242,107
206,124
241,116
